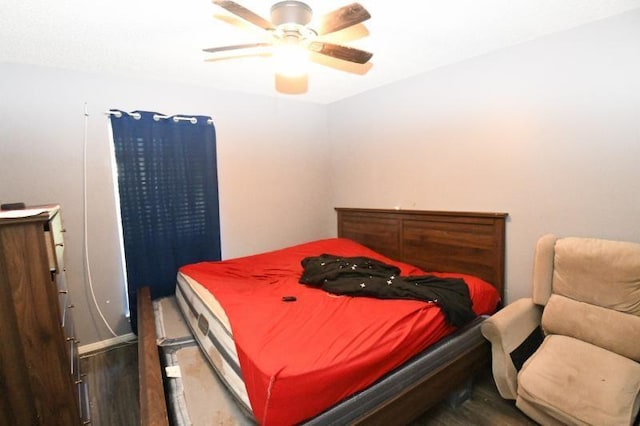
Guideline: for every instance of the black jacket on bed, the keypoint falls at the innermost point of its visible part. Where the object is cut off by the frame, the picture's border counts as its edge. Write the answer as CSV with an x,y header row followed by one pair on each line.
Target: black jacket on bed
x,y
362,276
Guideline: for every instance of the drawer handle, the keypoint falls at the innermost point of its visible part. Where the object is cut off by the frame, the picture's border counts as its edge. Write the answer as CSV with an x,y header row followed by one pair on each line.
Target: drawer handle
x,y
78,381
63,291
60,245
69,339
70,306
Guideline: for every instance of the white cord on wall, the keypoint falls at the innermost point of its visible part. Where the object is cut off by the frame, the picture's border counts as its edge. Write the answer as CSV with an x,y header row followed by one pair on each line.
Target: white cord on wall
x,y
85,230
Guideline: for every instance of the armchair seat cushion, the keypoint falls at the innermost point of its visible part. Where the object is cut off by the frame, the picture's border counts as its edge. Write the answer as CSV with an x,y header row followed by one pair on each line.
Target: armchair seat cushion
x,y
567,375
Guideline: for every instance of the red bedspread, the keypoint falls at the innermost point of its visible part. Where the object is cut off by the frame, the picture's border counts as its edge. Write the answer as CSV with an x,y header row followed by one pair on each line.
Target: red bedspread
x,y
299,358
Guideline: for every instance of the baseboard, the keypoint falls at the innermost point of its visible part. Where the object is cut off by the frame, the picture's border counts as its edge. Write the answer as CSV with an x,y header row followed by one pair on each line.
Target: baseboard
x,y
106,344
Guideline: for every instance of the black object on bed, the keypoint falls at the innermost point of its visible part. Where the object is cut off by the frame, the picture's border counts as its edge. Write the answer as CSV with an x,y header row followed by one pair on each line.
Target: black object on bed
x,y
363,276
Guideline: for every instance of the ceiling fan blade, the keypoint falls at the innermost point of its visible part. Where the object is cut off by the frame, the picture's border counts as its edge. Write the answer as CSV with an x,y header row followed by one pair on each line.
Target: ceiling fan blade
x,y
238,23
344,66
235,47
244,13
341,18
239,56
340,52
346,35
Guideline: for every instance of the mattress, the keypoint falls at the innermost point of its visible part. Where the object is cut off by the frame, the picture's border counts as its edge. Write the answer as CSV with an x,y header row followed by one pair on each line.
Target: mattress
x,y
212,330
198,396
291,393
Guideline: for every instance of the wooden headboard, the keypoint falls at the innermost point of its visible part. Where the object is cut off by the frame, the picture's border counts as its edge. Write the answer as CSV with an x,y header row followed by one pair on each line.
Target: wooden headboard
x,y
465,242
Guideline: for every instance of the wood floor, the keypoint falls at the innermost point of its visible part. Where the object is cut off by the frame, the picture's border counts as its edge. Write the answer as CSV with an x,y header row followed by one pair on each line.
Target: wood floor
x,y
113,395
485,408
112,377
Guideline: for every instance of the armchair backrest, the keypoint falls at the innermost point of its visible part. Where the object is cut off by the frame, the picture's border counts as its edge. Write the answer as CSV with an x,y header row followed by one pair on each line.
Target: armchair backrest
x,y
590,289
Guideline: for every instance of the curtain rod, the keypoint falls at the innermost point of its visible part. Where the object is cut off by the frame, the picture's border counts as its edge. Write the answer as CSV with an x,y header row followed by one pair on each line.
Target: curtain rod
x,y
158,117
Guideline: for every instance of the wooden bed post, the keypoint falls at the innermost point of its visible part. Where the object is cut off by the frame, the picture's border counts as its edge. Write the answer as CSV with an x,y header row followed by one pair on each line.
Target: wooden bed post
x,y
153,407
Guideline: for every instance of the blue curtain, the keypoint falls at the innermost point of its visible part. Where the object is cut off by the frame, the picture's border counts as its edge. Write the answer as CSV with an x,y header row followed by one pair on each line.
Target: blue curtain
x,y
168,186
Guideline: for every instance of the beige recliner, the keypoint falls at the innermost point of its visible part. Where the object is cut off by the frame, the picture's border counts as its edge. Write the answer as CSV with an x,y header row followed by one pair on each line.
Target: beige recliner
x,y
570,354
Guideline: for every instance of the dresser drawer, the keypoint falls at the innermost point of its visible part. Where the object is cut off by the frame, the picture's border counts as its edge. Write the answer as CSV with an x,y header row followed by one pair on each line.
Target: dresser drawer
x,y
64,301
61,282
67,321
54,239
74,361
66,313
83,398
73,342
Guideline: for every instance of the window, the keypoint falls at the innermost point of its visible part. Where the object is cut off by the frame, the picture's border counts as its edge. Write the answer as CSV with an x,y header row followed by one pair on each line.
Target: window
x,y
168,195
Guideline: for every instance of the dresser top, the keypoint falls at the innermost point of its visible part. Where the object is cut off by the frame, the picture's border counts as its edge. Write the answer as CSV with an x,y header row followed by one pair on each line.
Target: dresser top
x,y
29,214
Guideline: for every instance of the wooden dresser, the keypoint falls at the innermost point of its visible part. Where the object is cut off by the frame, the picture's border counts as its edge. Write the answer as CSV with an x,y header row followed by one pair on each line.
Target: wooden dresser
x,y
40,378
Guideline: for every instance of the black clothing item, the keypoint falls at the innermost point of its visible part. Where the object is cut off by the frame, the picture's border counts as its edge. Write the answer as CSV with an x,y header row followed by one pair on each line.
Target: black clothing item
x,y
362,276
326,267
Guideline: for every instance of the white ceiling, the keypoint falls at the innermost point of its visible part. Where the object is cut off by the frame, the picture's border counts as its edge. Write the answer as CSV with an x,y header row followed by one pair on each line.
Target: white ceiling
x,y
162,39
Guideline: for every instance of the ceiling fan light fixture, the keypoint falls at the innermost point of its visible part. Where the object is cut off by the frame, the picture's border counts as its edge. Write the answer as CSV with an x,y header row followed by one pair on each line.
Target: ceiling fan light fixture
x,y
291,59
292,85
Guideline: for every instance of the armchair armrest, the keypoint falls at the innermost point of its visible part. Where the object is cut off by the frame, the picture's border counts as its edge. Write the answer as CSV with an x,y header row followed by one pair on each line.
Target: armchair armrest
x,y
507,329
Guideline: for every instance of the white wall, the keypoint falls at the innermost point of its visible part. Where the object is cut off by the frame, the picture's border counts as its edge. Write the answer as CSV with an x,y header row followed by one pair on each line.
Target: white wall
x,y
548,131
272,161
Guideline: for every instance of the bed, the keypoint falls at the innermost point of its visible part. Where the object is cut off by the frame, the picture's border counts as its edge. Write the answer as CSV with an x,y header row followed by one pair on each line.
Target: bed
x,y
460,242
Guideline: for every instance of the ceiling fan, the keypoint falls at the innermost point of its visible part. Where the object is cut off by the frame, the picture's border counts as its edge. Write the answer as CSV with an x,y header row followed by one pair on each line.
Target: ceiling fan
x,y
292,35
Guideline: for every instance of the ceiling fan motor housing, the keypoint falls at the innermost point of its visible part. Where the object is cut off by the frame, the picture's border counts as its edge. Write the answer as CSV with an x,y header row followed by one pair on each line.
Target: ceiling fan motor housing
x,y
290,12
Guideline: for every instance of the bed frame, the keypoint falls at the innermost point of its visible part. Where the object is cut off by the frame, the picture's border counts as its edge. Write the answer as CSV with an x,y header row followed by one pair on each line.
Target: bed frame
x,y
465,242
